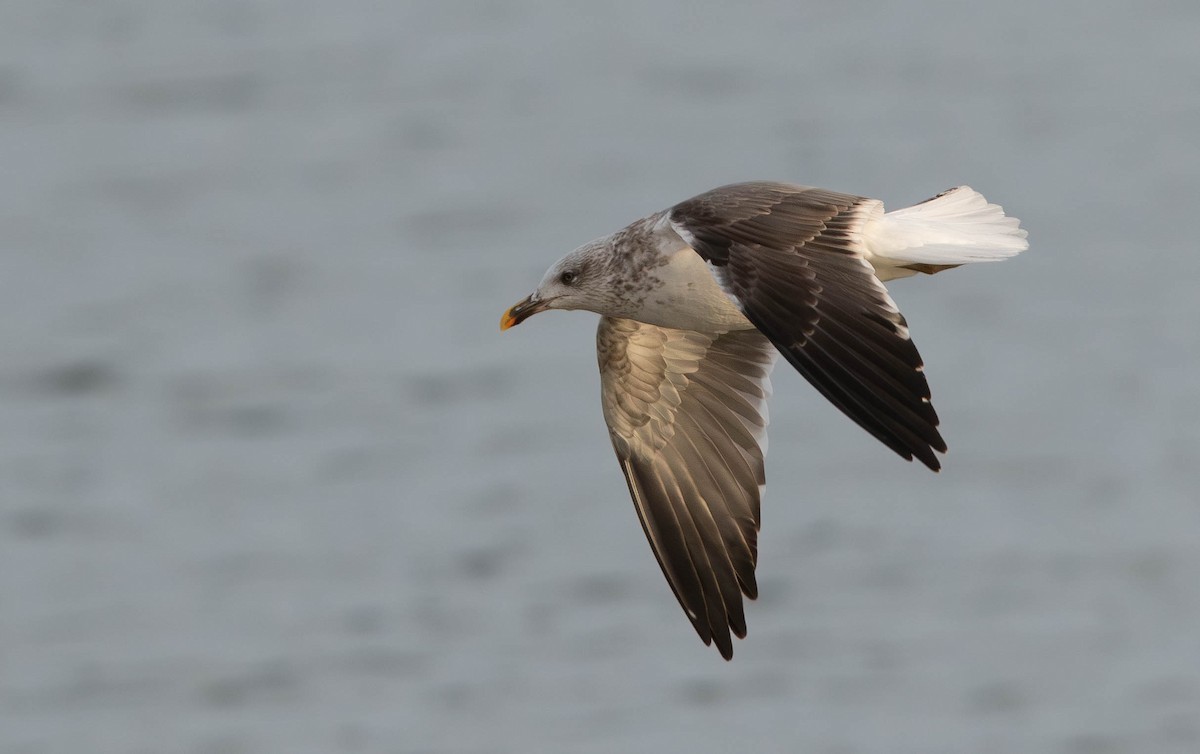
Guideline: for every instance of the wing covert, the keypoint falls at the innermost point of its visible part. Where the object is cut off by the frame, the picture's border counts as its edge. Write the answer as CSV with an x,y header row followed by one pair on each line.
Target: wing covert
x,y
791,256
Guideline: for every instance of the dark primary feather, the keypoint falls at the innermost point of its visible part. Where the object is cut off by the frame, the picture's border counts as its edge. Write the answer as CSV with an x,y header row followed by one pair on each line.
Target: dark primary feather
x,y
791,256
685,412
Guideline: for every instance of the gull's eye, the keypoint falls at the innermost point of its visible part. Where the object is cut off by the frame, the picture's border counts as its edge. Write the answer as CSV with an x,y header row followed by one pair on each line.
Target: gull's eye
x,y
568,277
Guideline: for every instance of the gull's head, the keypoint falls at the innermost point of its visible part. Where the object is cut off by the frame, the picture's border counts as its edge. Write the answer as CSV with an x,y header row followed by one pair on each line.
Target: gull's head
x,y
580,280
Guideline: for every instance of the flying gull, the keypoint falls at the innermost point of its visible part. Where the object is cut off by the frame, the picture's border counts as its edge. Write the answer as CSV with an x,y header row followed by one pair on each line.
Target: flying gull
x,y
696,303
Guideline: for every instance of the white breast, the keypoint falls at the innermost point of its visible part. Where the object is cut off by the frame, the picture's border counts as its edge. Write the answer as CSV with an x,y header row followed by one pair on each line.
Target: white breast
x,y
689,296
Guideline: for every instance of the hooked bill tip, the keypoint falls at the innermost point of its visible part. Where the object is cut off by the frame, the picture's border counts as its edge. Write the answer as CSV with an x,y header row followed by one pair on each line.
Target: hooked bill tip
x,y
507,320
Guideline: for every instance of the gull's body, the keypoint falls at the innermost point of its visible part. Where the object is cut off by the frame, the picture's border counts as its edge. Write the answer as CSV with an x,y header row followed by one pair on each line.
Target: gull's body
x,y
697,302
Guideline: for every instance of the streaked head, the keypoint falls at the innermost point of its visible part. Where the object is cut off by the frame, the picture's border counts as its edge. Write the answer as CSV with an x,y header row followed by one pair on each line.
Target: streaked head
x,y
577,281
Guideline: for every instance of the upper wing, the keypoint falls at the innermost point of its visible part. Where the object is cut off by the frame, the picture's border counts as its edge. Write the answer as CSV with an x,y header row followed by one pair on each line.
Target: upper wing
x,y
686,412
792,258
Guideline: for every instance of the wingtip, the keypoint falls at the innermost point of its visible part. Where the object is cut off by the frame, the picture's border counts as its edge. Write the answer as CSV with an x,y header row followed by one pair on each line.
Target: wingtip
x,y
722,641
931,461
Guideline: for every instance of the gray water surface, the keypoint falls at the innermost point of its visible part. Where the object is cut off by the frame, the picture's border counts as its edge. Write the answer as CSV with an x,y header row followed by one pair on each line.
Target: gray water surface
x,y
271,480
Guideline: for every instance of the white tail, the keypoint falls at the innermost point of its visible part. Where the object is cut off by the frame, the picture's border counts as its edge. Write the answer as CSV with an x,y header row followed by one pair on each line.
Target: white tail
x,y
955,227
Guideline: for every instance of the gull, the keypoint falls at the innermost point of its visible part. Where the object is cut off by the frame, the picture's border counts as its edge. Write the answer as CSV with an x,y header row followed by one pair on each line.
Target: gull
x,y
696,304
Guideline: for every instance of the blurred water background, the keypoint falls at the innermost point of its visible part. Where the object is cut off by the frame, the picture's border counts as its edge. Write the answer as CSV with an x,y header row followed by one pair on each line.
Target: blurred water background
x,y
271,480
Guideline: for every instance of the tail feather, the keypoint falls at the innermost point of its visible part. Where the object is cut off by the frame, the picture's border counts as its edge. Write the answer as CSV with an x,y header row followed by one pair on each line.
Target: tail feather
x,y
955,227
